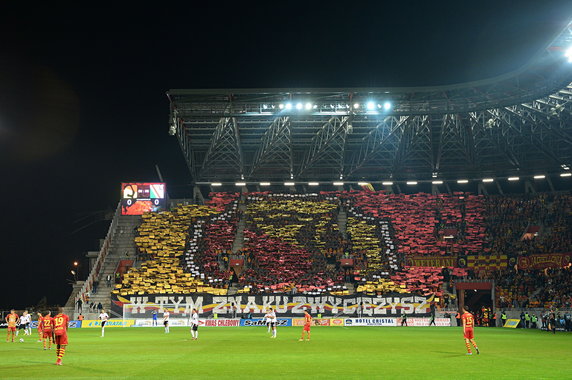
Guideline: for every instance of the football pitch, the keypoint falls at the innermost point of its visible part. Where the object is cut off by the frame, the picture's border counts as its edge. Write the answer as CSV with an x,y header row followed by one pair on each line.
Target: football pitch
x,y
333,353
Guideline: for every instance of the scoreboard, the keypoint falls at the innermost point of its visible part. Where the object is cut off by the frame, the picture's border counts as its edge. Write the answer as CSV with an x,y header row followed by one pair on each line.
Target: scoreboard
x,y
140,197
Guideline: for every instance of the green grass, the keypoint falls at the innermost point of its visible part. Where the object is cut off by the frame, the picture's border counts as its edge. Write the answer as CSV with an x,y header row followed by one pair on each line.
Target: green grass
x,y
333,353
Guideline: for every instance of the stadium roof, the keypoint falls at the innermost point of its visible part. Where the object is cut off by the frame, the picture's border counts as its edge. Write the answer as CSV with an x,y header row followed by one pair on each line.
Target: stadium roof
x,y
519,122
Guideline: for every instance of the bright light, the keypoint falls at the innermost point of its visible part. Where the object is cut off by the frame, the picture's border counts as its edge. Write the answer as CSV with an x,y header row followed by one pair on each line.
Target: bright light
x,y
308,106
363,183
568,54
387,183
240,184
540,176
216,184
411,182
281,106
370,106
387,106
487,180
289,183
264,183
437,182
566,175
313,183
75,263
338,183
463,181
288,106
513,178
356,105
299,106
264,106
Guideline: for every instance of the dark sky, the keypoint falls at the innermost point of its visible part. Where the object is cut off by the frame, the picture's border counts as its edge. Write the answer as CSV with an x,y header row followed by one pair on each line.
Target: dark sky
x,y
83,105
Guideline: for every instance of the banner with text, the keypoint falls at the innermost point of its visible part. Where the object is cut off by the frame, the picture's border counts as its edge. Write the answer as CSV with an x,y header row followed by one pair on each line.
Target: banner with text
x,y
553,260
432,261
88,323
371,322
255,322
392,304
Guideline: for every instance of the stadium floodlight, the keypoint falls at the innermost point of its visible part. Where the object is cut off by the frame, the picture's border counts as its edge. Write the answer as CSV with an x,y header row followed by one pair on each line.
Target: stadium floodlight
x,y
411,183
565,174
539,176
288,106
387,106
462,181
308,106
568,54
387,183
240,184
313,183
437,182
363,183
264,183
281,106
338,183
370,106
513,178
356,106
299,106
264,106
216,184
289,183
488,180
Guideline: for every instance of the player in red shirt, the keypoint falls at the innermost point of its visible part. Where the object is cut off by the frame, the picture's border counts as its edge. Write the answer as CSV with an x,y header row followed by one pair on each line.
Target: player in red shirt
x,y
307,324
40,331
61,322
47,323
468,330
12,320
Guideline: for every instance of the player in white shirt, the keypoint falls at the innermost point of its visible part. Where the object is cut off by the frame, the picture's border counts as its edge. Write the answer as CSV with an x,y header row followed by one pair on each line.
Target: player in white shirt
x,y
25,320
267,320
104,317
195,324
166,321
272,318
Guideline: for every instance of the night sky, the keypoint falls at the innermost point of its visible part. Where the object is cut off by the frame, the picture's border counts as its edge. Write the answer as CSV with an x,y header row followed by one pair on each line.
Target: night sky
x,y
83,104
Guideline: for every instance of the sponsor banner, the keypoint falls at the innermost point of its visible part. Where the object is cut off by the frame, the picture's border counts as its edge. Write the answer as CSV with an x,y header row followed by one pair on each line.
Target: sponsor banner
x,y
315,321
92,323
432,261
511,323
71,324
34,324
336,322
553,260
219,322
420,322
285,305
281,322
371,321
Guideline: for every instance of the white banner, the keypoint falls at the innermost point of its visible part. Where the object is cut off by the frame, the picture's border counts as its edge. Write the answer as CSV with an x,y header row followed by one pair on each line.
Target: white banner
x,y
370,322
419,322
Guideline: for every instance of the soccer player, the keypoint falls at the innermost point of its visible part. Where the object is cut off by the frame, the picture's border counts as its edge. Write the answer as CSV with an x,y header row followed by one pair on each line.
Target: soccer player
x,y
468,330
25,320
272,318
267,320
104,317
47,322
307,324
12,319
40,331
195,324
166,321
61,322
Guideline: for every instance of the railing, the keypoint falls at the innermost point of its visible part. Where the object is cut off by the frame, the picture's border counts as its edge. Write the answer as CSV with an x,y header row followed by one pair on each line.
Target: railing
x,y
101,257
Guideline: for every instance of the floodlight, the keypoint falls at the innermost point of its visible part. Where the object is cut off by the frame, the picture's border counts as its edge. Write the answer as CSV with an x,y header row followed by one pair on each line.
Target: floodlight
x,y
308,106
437,182
288,106
387,106
370,106
568,54
566,175
513,178
289,184
264,106
338,183
540,176
356,105
299,106
313,183
216,184
363,183
264,183
240,184
281,106
463,181
487,180
387,183
411,182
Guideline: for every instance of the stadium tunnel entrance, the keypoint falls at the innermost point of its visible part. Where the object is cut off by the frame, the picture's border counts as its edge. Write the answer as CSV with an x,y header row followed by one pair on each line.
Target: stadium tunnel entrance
x,y
476,295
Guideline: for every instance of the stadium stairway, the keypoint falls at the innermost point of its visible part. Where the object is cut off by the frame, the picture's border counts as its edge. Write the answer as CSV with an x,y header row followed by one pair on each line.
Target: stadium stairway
x,y
122,247
238,242
350,287
343,221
